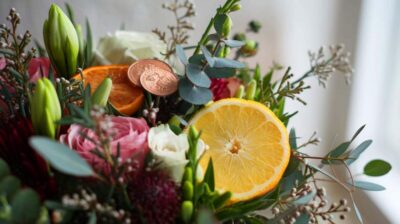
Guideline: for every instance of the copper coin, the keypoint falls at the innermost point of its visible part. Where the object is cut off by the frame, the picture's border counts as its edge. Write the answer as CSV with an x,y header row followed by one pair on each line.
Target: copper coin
x,y
158,81
138,67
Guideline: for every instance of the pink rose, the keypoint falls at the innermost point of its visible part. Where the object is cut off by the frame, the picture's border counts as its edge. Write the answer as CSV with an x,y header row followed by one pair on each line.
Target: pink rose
x,y
224,88
34,70
129,133
3,63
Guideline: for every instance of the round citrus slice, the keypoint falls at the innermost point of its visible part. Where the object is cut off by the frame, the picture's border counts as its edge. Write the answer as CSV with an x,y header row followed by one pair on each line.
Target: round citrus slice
x,y
125,97
248,144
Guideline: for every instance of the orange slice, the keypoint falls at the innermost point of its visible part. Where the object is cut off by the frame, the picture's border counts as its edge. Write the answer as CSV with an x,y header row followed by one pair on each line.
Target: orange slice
x,y
248,144
125,97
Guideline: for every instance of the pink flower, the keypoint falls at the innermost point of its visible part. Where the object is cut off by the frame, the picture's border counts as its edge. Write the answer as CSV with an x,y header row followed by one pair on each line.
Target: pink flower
x,y
3,63
38,68
224,87
129,133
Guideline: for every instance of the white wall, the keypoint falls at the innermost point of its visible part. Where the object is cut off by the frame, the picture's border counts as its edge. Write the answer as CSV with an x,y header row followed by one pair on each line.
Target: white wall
x,y
290,29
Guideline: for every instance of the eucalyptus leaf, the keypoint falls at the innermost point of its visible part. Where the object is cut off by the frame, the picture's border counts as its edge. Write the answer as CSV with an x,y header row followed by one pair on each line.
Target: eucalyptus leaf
x,y
25,207
355,153
227,63
208,56
9,186
368,186
234,43
324,172
220,72
194,94
336,152
197,76
303,219
358,213
181,54
377,167
198,59
61,157
357,133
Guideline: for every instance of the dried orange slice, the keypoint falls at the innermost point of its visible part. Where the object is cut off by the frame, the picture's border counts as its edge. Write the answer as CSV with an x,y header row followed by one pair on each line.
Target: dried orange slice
x,y
248,144
125,97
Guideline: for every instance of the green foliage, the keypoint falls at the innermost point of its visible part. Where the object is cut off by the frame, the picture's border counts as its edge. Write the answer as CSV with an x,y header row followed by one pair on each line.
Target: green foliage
x,y
18,205
368,186
377,168
61,157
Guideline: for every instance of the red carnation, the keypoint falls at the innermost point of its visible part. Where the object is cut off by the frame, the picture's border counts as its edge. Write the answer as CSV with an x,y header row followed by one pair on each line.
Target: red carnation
x,y
224,88
156,197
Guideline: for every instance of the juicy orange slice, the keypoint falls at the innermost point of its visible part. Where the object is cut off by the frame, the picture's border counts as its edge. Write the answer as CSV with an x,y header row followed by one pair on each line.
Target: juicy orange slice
x,y
248,144
125,97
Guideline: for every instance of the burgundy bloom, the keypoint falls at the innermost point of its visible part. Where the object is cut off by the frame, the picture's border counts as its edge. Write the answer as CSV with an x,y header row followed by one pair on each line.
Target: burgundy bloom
x,y
224,87
156,197
23,161
38,68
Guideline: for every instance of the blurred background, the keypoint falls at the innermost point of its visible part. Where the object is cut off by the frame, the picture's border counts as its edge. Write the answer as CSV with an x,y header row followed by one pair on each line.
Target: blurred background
x,y
369,29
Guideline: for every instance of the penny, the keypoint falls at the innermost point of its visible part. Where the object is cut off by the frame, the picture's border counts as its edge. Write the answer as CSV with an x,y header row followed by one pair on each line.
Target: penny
x,y
138,67
158,81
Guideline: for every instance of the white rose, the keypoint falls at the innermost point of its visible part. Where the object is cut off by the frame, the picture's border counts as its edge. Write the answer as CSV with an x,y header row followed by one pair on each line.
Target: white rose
x,y
125,47
170,150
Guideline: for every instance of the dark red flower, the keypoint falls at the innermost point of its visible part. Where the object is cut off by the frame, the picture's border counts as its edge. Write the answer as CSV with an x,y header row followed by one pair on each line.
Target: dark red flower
x,y
224,87
37,68
23,161
156,197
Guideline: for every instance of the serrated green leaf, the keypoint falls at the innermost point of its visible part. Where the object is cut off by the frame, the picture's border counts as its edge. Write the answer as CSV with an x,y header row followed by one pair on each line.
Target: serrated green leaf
x,y
368,186
61,157
194,94
181,54
355,153
197,76
25,207
377,167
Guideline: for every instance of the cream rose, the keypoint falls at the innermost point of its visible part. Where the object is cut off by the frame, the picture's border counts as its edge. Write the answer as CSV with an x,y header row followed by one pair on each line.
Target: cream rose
x,y
125,47
170,150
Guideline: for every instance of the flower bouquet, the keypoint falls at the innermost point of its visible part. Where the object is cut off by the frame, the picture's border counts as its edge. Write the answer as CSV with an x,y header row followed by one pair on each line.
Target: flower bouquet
x,y
147,128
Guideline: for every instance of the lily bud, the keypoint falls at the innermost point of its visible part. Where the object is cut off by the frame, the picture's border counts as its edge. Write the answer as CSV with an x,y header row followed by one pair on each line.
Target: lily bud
x,y
240,92
251,90
61,41
186,211
81,53
235,7
45,108
223,25
101,94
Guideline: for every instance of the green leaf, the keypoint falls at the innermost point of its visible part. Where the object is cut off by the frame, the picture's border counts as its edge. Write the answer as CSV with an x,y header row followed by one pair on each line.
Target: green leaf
x,y
368,186
198,59
208,56
181,54
88,45
324,172
293,139
9,186
197,76
194,94
220,72
358,213
219,22
61,157
25,207
70,13
336,152
357,133
303,219
209,175
234,43
355,153
377,167
92,218
4,169
227,63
